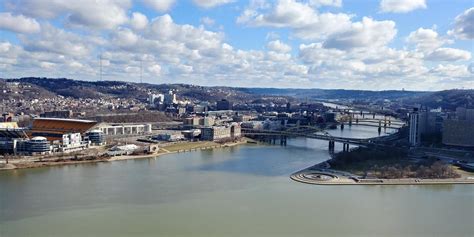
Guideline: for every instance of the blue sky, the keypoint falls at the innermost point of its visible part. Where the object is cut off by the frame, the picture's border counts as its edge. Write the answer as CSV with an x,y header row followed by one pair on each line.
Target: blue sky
x,y
352,44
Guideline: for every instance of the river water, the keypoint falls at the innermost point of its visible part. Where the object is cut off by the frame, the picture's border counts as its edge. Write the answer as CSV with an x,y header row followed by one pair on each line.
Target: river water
x,y
237,191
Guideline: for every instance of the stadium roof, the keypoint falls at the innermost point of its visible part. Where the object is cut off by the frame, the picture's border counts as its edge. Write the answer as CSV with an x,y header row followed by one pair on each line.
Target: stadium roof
x,y
50,127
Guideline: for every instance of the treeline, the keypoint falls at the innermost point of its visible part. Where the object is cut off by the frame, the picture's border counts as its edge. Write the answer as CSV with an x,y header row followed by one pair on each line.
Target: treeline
x,y
365,154
390,164
437,170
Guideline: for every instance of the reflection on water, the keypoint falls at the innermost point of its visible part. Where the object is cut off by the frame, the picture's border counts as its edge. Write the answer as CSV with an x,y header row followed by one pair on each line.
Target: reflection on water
x,y
236,191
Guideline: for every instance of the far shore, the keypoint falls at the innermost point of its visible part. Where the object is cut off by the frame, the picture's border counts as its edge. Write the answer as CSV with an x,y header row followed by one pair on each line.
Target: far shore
x,y
25,163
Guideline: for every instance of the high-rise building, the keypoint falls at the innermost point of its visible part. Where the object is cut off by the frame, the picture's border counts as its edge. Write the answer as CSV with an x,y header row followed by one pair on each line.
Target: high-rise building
x,y
459,131
156,99
170,98
224,105
417,126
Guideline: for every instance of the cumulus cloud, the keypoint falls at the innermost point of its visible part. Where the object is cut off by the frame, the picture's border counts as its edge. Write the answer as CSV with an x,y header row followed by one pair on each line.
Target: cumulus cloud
x,y
138,21
319,3
211,3
160,5
155,69
301,17
278,46
451,70
18,23
401,6
429,43
448,54
426,39
366,33
105,14
464,25
58,41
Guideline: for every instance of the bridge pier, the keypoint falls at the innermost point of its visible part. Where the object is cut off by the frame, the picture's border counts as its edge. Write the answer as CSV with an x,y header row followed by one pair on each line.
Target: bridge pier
x,y
342,126
331,145
345,147
282,140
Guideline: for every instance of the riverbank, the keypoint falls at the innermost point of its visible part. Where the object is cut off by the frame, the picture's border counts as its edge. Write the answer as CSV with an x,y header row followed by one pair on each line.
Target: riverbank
x,y
26,163
321,174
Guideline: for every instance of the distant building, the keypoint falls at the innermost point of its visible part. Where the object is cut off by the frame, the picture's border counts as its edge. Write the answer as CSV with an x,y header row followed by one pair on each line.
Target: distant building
x,y
170,98
459,131
224,105
207,121
156,99
417,126
221,132
96,137
124,129
329,117
55,128
191,121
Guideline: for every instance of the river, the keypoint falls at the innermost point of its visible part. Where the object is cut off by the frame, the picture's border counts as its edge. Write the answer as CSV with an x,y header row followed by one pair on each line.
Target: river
x,y
236,191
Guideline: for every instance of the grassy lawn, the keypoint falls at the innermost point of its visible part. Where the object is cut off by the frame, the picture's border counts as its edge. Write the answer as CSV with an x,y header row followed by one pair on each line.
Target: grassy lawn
x,y
189,145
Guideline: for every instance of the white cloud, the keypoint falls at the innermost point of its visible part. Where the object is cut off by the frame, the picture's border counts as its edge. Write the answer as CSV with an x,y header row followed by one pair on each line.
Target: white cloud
x,y
278,46
426,40
138,21
298,16
448,54
58,41
211,3
104,14
401,6
160,5
451,70
367,33
125,38
318,3
155,69
464,25
18,23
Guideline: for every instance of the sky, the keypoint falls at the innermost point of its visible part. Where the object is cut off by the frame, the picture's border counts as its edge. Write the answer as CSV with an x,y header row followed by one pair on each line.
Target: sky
x,y
343,44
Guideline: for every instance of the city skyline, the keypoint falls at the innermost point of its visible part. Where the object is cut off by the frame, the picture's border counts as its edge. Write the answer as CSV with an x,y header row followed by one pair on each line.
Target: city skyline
x,y
415,45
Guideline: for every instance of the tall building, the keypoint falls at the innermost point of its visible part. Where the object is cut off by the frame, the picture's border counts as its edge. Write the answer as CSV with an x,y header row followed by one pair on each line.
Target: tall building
x,y
417,126
459,131
170,98
156,99
224,105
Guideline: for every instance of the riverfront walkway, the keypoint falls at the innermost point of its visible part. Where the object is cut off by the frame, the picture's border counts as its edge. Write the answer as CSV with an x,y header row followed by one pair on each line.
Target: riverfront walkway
x,y
320,174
